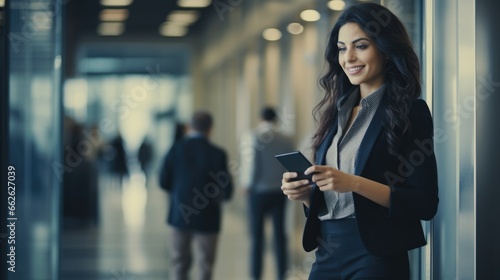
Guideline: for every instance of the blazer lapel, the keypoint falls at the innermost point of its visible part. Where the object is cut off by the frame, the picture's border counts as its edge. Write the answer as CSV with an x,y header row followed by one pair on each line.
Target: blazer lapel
x,y
316,198
371,135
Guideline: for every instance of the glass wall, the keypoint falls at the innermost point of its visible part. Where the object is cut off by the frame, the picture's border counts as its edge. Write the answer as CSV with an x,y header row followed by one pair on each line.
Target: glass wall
x,y
34,107
445,239
456,104
487,153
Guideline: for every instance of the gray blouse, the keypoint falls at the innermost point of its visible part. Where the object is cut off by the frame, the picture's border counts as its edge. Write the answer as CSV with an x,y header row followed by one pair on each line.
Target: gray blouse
x,y
343,152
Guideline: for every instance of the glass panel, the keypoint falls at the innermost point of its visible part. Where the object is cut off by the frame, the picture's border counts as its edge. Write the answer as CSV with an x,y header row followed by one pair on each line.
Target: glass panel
x,y
34,51
487,155
3,142
445,130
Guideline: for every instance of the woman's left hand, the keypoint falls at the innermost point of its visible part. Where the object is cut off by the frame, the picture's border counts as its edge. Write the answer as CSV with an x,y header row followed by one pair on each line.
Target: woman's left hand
x,y
329,178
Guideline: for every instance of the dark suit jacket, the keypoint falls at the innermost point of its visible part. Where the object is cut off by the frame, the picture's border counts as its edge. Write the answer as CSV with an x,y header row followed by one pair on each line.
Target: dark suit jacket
x,y
412,178
195,174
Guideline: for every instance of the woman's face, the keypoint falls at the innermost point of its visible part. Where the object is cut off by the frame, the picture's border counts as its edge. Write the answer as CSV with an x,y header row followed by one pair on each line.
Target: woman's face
x,y
359,57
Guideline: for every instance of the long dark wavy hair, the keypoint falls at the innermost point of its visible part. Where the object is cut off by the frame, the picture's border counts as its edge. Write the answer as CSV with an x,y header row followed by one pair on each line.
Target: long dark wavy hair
x,y
402,72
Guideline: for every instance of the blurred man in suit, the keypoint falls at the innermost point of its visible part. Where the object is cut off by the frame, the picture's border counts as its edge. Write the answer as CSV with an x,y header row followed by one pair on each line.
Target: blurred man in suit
x,y
195,175
261,178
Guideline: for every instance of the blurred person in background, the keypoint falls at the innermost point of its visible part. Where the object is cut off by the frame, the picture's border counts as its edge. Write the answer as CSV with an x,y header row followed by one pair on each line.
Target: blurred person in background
x,y
145,155
119,165
195,175
180,131
375,176
261,179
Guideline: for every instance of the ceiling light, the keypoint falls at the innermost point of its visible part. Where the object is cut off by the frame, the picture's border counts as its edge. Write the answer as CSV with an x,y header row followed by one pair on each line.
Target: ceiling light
x,y
336,5
175,23
187,17
194,3
310,15
2,3
45,24
271,34
115,3
295,28
173,30
113,15
111,28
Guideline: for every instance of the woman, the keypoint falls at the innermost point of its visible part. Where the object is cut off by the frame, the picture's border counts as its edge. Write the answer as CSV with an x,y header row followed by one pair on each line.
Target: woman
x,y
375,176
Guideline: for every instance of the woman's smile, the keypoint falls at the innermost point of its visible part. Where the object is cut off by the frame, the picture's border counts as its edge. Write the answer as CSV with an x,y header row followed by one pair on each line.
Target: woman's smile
x,y
354,70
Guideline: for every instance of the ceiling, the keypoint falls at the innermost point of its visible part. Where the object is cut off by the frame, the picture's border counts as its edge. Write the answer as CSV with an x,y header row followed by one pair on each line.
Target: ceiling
x,y
139,47
145,17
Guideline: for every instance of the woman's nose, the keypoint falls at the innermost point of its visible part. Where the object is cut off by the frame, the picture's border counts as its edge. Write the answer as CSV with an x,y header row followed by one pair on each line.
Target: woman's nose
x,y
350,55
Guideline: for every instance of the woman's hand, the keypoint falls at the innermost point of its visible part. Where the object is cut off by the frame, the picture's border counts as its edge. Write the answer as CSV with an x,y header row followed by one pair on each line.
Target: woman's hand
x,y
296,190
329,178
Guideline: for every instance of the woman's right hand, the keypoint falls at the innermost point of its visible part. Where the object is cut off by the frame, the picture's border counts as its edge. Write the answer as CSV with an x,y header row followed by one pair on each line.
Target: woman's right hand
x,y
296,190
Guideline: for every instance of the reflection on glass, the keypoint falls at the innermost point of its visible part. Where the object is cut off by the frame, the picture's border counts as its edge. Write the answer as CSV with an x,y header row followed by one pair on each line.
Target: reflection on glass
x,y
34,135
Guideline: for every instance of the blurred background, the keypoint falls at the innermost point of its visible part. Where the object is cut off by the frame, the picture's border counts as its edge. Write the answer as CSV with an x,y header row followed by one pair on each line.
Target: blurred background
x,y
94,93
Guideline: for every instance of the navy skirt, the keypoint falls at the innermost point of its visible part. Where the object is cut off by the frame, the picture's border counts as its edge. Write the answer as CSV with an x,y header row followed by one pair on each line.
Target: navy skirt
x,y
342,255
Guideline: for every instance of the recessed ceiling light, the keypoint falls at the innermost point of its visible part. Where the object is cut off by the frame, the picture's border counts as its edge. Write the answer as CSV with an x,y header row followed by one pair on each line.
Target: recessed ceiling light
x,y
173,30
175,23
187,17
113,15
271,34
110,28
194,3
116,2
336,5
295,28
310,15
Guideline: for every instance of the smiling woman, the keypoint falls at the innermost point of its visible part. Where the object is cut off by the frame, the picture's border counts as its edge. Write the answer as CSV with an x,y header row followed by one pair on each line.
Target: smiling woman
x,y
361,202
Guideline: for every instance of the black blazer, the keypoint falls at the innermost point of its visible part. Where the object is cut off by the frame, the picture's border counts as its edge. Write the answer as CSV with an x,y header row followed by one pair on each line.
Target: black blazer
x,y
411,176
195,174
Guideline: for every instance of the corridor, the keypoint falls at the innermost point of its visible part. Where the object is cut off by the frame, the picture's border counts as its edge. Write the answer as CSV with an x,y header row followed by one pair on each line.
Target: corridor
x,y
132,239
78,77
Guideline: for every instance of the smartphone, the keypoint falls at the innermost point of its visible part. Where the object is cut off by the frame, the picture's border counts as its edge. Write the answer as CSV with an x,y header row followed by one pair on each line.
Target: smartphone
x,y
295,162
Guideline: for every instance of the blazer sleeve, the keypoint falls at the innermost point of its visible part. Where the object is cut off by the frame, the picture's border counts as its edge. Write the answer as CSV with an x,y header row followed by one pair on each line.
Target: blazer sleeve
x,y
167,171
414,187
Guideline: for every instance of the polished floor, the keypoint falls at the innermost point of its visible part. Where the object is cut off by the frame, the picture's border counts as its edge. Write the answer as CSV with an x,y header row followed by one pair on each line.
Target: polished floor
x,y
131,241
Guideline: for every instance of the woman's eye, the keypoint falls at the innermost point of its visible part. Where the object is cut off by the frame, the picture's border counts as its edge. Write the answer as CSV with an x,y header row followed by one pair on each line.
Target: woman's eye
x,y
361,47
342,49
